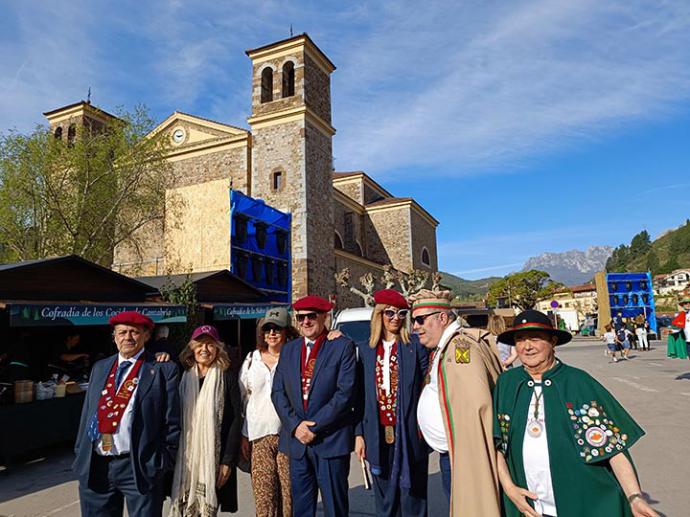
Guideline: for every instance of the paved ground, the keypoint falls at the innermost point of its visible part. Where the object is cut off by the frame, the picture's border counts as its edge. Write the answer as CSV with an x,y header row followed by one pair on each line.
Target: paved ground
x,y
654,389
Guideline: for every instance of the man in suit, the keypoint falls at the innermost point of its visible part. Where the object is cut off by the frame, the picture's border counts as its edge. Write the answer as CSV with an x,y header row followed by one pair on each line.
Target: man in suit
x,y
129,426
312,393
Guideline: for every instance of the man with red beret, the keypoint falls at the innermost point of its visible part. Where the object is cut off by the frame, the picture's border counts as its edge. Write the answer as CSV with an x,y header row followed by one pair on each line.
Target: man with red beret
x,y
313,394
129,426
392,369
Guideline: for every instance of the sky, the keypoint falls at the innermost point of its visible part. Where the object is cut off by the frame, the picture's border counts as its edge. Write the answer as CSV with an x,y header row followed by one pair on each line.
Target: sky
x,y
522,126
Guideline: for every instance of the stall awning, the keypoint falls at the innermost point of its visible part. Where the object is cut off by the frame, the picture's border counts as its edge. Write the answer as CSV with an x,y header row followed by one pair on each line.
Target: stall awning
x,y
219,286
51,314
242,311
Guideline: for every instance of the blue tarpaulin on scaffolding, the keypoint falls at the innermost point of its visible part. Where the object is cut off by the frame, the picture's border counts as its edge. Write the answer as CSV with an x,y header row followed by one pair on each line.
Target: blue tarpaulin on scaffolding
x,y
260,246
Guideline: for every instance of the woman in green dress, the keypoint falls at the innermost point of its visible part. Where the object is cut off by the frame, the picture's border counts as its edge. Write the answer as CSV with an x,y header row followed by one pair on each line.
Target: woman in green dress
x,y
562,438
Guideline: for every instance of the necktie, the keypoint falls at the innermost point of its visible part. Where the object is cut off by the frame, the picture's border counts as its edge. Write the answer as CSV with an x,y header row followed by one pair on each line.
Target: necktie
x,y
306,356
93,432
124,366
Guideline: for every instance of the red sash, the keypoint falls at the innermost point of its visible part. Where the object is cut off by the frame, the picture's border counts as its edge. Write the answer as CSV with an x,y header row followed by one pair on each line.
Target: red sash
x,y
387,403
308,366
111,405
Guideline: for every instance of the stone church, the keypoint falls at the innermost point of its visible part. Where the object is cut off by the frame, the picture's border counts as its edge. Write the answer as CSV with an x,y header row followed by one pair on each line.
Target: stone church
x,y
339,219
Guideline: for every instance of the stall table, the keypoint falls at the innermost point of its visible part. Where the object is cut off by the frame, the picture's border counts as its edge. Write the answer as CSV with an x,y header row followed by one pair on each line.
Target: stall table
x,y
38,424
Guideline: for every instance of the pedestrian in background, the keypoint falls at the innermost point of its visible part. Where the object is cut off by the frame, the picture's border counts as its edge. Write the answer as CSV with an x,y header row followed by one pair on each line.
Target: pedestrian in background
x,y
611,343
270,468
641,326
392,367
563,440
506,353
205,478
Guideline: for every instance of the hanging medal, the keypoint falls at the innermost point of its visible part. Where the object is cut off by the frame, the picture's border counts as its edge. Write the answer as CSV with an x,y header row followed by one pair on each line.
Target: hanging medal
x,y
534,425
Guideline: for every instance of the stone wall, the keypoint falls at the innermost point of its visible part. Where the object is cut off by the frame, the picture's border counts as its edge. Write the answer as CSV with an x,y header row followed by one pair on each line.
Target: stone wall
x,y
371,195
317,89
147,259
198,238
230,164
278,103
319,210
352,189
344,297
423,235
392,241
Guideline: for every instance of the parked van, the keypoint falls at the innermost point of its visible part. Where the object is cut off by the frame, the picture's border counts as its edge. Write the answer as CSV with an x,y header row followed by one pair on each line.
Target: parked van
x,y
354,323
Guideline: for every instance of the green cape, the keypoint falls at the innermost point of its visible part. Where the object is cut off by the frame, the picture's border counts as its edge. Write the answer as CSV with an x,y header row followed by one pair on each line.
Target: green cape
x,y
585,427
676,346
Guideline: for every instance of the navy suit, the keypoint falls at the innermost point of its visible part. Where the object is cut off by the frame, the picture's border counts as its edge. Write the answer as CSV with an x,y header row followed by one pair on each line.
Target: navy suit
x,y
391,499
325,462
103,481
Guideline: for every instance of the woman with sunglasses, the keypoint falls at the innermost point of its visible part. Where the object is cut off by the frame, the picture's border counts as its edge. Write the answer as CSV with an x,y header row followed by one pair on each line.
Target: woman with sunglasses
x,y
392,369
270,469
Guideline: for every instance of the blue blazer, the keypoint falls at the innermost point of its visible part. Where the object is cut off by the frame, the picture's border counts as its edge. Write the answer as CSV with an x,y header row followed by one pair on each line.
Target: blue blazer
x,y
331,398
413,360
155,422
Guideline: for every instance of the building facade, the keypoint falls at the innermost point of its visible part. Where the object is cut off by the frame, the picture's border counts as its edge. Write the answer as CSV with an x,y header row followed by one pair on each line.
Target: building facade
x,y
339,219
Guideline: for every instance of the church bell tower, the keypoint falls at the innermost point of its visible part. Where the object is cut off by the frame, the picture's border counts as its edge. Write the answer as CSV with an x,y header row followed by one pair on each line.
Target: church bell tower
x,y
292,154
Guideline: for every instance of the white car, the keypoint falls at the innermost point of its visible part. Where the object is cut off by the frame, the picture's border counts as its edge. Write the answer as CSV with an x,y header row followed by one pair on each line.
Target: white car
x,y
354,323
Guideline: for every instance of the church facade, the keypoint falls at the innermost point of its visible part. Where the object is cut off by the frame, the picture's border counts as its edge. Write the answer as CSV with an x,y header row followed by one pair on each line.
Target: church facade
x,y
339,219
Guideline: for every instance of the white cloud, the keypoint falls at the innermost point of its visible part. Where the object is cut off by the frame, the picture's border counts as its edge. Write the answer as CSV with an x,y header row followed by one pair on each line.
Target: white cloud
x,y
466,85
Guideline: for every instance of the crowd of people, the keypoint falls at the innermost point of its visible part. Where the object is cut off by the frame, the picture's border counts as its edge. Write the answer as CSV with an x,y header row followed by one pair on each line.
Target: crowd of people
x,y
623,334
540,438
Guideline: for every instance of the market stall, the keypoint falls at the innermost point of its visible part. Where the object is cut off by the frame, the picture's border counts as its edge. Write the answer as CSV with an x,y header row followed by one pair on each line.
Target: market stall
x,y
44,304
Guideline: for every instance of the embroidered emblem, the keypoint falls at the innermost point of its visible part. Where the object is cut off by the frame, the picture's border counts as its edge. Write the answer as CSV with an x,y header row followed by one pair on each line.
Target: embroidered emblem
x,y
596,436
462,354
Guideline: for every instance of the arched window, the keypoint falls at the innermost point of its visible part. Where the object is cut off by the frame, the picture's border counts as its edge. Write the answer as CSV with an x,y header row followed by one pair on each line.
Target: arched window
x,y
58,133
358,249
71,134
338,241
288,79
277,180
426,260
267,85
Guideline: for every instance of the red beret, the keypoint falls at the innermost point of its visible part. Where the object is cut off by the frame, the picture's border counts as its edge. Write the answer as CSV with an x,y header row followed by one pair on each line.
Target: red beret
x,y
391,297
131,318
312,302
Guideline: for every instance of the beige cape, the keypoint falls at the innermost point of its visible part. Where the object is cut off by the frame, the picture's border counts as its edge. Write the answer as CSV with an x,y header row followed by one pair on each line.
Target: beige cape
x,y
468,371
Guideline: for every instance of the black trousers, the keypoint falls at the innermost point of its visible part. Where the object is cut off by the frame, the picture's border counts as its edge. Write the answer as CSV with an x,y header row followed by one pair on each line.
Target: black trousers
x,y
112,484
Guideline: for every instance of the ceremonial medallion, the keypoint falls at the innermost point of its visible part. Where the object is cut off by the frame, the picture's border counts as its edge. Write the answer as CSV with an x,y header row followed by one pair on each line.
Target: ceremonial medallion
x,y
106,442
389,434
534,428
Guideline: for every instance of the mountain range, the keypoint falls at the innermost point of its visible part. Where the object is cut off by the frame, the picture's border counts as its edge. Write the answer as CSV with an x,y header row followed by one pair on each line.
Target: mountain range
x,y
571,267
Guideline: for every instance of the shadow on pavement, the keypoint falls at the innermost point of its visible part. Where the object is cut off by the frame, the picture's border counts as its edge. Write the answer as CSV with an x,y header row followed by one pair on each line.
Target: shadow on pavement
x,y
38,471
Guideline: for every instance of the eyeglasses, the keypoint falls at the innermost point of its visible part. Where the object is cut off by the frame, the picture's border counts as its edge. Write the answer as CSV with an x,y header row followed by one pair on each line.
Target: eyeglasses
x,y
419,320
309,316
390,313
271,328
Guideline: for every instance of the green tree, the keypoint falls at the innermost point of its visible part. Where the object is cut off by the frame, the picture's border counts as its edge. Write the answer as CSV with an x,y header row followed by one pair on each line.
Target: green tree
x,y
84,197
523,290
640,244
653,263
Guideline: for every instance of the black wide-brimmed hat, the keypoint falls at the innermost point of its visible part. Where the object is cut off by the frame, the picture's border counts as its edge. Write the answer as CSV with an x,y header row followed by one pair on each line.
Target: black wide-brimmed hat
x,y
533,320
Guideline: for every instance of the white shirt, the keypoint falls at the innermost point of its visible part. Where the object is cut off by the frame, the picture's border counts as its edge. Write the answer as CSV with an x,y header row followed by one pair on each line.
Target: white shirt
x,y
123,433
256,381
610,337
687,326
387,348
535,456
429,414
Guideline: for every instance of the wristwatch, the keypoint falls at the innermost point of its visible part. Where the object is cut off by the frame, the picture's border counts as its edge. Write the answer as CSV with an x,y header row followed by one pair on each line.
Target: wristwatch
x,y
634,496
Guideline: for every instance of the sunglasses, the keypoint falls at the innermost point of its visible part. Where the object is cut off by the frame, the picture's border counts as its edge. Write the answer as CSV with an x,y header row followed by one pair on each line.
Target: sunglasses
x,y
419,320
390,314
309,316
271,328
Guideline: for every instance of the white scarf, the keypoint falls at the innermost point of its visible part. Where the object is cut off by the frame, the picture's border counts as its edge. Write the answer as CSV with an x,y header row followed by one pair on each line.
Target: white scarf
x,y
198,455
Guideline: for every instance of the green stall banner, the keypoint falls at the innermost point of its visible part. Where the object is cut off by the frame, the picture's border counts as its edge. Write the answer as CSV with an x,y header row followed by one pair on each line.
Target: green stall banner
x,y
79,314
242,311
